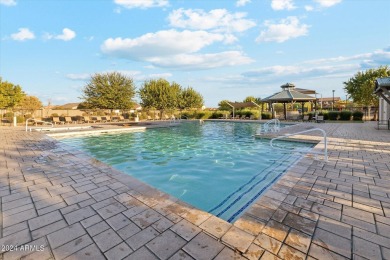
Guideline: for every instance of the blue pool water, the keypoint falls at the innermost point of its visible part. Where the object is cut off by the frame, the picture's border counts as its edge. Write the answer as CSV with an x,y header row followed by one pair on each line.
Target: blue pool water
x,y
217,166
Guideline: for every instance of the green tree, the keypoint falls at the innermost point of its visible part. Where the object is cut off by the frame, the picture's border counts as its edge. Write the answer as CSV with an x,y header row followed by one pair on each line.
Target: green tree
x,y
189,98
252,98
30,104
109,91
10,94
223,105
159,94
361,87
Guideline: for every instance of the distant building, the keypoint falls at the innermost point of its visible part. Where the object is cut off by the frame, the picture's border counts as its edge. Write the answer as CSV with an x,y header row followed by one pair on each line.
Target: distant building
x,y
327,101
68,106
382,89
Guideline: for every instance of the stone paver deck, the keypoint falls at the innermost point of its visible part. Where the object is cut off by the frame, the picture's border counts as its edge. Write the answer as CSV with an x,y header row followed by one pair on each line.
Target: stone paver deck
x,y
61,204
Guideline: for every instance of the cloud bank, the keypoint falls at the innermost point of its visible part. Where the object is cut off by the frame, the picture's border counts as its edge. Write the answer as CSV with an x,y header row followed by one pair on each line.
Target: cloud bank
x,y
172,48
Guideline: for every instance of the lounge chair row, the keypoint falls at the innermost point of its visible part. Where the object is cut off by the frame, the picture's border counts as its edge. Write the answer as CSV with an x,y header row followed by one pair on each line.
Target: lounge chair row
x,y
166,117
82,119
237,117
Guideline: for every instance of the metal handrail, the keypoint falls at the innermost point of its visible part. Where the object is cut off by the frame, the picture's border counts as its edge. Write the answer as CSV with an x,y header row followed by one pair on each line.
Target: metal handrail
x,y
37,121
301,132
266,127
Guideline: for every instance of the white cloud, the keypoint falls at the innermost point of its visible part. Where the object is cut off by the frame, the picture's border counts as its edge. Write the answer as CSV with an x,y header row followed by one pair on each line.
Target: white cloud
x,y
376,59
174,49
143,4
8,2
23,34
282,5
161,43
82,76
242,2
67,35
202,61
328,3
134,74
309,8
90,38
295,71
217,20
284,30
321,68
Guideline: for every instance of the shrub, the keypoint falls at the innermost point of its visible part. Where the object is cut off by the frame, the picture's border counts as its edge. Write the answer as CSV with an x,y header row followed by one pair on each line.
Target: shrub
x,y
345,115
266,115
248,114
311,115
216,115
8,114
324,114
187,115
54,115
357,116
333,115
203,115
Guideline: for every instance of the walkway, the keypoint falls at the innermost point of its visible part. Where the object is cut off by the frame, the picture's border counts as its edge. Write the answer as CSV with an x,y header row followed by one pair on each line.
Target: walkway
x,y
60,204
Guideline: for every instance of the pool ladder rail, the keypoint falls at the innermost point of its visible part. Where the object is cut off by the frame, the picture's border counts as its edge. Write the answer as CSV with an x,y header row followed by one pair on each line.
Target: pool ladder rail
x,y
271,126
325,141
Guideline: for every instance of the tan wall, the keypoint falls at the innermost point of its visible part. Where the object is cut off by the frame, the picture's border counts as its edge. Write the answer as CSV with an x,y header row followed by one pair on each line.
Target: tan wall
x,y
62,112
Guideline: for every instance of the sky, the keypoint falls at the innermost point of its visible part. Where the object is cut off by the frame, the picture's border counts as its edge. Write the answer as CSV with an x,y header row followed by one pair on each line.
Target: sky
x,y
224,49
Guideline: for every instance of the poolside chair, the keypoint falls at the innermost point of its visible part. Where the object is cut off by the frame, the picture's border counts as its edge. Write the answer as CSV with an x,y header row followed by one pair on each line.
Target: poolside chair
x,y
56,120
6,120
107,118
96,119
37,120
68,120
320,119
86,119
305,118
156,117
166,117
122,118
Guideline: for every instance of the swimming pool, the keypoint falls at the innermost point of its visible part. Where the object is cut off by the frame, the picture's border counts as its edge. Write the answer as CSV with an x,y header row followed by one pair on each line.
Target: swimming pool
x,y
216,166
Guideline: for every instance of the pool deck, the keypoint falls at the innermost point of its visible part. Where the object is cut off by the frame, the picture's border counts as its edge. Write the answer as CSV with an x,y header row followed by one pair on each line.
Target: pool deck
x,y
62,204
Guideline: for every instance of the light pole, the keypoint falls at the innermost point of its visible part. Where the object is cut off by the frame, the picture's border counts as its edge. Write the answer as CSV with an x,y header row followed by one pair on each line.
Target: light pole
x,y
333,101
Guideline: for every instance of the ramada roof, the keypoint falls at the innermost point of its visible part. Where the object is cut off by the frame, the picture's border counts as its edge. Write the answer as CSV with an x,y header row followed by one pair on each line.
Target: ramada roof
x,y
382,83
288,94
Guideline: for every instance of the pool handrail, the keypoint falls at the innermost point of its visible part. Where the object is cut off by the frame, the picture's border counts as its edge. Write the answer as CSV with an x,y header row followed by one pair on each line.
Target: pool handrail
x,y
266,127
37,121
325,153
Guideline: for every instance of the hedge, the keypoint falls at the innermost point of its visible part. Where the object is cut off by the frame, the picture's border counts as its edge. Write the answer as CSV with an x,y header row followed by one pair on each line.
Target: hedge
x,y
345,115
357,116
333,115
